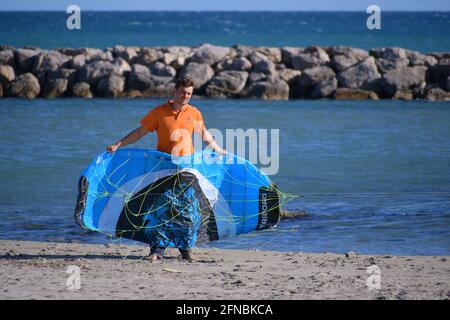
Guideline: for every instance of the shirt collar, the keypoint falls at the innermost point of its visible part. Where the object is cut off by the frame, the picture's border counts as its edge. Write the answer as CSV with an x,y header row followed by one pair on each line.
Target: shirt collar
x,y
183,109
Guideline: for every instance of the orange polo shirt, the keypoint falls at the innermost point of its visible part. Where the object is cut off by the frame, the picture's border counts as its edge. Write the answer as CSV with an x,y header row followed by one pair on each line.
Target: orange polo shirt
x,y
174,129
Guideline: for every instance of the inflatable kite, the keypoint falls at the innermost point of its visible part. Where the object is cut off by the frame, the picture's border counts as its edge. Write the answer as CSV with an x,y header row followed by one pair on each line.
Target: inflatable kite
x,y
152,197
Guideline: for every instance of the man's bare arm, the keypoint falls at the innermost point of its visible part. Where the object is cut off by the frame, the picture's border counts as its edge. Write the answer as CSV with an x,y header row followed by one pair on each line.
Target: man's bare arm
x,y
209,141
131,137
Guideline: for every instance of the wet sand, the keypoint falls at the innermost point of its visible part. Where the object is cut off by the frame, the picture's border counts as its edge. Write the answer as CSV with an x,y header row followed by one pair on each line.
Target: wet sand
x,y
37,270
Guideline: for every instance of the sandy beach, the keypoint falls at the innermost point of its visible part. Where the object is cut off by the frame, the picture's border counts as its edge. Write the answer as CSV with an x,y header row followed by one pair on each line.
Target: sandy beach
x,y
37,270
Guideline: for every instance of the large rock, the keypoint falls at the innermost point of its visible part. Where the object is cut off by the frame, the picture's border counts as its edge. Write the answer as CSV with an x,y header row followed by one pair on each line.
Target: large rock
x,y
287,53
7,74
209,54
49,60
176,56
148,56
174,61
440,55
42,78
273,54
126,53
179,51
159,91
71,75
243,51
237,64
227,83
324,88
262,63
113,86
440,72
25,58
55,88
359,75
77,62
267,90
93,72
88,55
392,53
312,76
161,70
4,47
417,59
303,85
354,94
80,51
343,58
289,75
7,58
436,93
403,95
281,66
98,55
139,68
259,76
232,54
142,83
139,78
123,65
388,59
132,94
419,91
25,86
404,78
71,51
310,58
200,73
81,90
142,79
385,65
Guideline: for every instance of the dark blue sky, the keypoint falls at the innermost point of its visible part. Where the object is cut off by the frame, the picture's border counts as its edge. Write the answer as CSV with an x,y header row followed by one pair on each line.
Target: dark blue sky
x,y
252,5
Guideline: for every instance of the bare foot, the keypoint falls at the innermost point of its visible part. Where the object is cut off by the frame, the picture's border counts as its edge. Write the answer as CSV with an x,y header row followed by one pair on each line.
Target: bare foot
x,y
188,257
191,259
151,257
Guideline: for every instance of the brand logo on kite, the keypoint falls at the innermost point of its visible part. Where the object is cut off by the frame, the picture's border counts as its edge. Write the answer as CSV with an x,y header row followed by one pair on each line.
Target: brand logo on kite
x,y
264,210
268,210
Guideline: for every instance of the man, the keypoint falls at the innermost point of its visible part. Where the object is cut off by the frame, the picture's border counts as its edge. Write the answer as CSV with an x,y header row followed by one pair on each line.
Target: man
x,y
174,122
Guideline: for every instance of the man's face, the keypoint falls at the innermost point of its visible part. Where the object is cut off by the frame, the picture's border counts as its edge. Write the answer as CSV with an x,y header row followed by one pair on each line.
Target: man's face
x,y
183,95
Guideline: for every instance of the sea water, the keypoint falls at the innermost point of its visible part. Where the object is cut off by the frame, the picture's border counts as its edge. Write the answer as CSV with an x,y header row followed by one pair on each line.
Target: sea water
x,y
373,176
421,31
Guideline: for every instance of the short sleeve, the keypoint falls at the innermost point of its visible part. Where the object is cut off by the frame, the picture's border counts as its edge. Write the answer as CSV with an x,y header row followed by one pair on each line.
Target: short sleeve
x,y
199,123
150,121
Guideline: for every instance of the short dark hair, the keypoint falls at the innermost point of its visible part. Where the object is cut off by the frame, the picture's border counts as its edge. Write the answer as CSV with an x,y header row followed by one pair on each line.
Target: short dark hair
x,y
184,82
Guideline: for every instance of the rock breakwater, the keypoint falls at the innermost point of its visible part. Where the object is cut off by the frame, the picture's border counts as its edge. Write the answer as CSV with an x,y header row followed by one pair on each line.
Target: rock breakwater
x,y
226,72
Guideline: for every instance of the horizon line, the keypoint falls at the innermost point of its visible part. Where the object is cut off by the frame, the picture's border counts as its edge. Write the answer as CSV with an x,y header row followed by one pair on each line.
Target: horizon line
x,y
196,11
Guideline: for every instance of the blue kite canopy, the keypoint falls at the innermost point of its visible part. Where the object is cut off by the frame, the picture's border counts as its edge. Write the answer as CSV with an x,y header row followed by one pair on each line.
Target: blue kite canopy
x,y
152,197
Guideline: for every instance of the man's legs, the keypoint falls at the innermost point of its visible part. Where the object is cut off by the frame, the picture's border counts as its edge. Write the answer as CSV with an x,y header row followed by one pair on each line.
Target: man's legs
x,y
158,253
186,254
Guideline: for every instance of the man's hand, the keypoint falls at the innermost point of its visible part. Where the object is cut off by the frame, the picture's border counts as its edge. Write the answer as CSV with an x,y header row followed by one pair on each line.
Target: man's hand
x,y
133,136
220,151
113,147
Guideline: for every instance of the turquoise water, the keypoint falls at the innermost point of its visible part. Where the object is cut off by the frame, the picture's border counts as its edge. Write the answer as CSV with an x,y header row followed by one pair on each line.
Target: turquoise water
x,y
422,31
374,176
